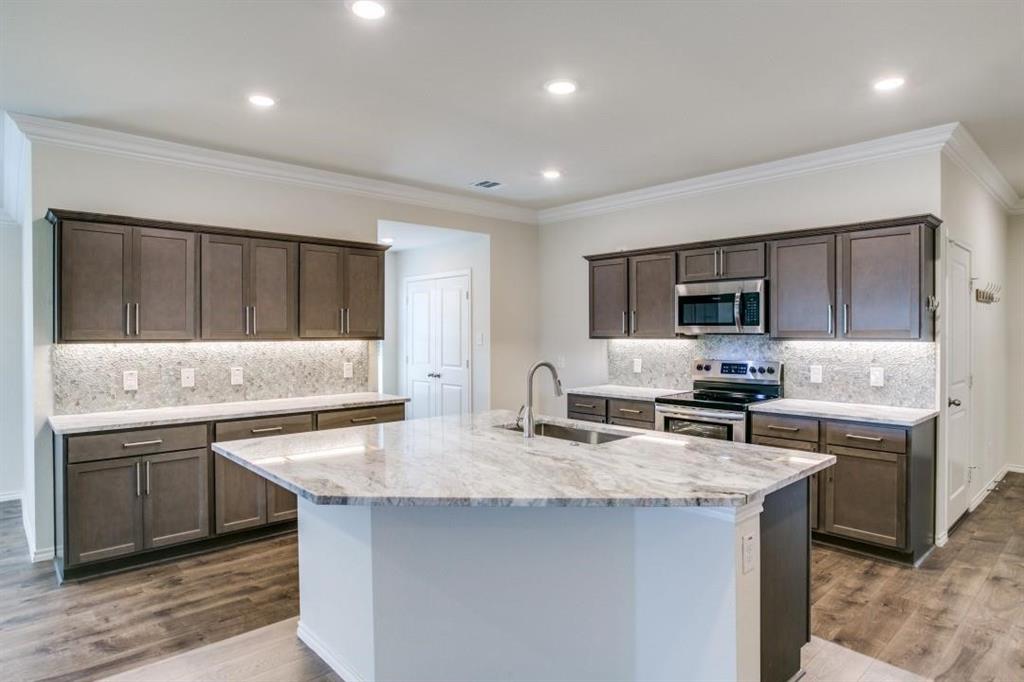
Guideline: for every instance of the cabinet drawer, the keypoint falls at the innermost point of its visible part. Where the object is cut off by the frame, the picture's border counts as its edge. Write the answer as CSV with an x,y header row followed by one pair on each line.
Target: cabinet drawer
x,y
586,404
782,426
360,416
599,418
866,436
264,426
803,445
636,424
140,442
638,410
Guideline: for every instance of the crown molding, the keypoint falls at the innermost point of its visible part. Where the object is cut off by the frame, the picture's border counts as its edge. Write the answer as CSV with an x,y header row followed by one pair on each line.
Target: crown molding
x,y
76,136
903,144
964,151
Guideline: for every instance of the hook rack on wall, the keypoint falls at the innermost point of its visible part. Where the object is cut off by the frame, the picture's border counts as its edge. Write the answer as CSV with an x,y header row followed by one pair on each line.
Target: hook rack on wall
x,y
988,294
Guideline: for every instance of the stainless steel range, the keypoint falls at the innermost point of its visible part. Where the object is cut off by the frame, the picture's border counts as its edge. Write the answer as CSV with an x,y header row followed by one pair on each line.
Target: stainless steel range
x,y
717,405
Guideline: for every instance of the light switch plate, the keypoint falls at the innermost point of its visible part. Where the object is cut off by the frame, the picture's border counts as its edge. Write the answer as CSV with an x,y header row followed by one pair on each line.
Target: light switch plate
x,y
816,374
749,549
346,369
878,376
237,378
480,338
188,377
130,379
638,365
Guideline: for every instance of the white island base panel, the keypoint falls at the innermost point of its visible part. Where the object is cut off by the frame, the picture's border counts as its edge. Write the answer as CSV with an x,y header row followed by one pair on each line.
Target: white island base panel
x,y
531,593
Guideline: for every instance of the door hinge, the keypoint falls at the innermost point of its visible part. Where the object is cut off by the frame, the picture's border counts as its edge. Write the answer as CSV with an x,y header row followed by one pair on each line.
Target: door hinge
x,y
970,381
467,295
467,364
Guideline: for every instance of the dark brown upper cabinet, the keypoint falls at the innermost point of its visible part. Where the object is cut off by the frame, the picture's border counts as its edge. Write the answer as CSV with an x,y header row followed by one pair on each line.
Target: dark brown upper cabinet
x,y
342,292
609,298
803,287
735,261
652,296
249,288
119,282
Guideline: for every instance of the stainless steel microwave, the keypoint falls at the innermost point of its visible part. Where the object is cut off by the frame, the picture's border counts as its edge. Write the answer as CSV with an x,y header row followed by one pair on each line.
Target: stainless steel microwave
x,y
733,307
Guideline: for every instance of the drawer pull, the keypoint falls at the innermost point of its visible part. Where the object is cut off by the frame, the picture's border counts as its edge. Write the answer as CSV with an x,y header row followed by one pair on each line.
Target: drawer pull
x,y
141,443
873,439
360,420
630,411
269,429
775,427
589,406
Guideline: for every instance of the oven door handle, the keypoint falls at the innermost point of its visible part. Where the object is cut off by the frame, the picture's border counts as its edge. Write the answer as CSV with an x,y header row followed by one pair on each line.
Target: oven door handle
x,y
717,417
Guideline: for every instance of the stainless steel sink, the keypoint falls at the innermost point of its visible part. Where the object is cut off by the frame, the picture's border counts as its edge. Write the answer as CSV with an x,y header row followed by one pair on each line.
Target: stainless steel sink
x,y
569,433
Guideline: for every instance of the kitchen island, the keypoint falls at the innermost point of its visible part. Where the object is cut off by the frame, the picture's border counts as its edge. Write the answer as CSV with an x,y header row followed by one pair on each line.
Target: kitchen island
x,y
452,548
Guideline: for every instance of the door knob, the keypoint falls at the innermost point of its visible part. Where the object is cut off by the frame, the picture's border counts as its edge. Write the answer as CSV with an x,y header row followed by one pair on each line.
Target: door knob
x,y
953,402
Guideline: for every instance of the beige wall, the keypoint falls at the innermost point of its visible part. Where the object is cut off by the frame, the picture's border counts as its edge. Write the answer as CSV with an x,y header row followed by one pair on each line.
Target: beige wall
x,y
1014,298
885,189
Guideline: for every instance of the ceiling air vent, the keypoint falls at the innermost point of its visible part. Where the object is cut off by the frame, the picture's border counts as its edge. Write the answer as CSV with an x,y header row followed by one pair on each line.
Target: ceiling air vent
x,y
486,184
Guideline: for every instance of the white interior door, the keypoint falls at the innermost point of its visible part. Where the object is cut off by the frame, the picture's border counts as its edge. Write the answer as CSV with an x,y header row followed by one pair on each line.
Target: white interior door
x,y
438,363
958,381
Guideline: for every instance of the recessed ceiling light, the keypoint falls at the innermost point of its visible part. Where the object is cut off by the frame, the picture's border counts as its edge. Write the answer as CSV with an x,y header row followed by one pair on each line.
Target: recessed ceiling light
x,y
560,86
891,83
551,174
368,9
263,101
387,240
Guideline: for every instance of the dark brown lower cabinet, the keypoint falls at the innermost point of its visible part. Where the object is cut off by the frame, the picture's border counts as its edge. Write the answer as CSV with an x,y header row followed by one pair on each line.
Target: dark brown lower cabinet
x,y
240,497
282,505
866,496
175,504
805,446
105,512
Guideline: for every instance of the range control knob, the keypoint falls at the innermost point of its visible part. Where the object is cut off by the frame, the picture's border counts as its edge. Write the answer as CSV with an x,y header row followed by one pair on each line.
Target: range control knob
x,y
699,367
771,370
753,370
760,370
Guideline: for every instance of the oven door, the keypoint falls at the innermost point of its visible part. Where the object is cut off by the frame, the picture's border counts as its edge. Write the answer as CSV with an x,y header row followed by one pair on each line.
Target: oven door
x,y
736,307
691,421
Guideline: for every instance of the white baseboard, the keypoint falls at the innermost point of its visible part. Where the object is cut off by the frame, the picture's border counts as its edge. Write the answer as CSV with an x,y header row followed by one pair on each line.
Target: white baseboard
x,y
1016,468
10,495
983,493
41,554
942,539
346,672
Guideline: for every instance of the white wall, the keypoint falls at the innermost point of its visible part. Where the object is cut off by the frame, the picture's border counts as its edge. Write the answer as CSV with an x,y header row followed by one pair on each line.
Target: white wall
x,y
1014,301
972,216
86,180
11,454
885,189
472,253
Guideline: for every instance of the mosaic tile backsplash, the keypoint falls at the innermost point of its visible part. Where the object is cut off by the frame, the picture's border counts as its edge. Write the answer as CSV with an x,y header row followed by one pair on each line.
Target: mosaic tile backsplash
x,y
910,367
88,377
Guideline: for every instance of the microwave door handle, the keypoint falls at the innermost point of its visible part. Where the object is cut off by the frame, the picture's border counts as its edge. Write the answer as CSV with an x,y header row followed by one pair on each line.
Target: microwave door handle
x,y
736,309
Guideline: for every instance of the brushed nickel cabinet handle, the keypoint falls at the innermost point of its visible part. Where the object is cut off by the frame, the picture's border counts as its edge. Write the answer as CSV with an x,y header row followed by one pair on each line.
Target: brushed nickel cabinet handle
x,y
254,320
633,323
136,319
775,427
348,320
873,439
589,406
623,321
830,332
246,309
629,411
127,319
141,443
268,429
846,319
341,320
359,420
138,479
147,477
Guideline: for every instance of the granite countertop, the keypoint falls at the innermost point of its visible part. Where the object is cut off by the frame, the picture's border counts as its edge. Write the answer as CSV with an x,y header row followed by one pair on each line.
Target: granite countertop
x,y
470,461
855,412
181,414
624,392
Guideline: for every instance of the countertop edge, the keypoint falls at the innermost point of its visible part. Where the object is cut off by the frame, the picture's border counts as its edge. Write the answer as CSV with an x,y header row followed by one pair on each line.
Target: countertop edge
x,y
926,415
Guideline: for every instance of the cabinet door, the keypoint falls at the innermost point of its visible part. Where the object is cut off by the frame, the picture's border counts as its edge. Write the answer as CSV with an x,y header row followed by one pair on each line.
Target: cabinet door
x,y
802,288
225,287
282,505
273,288
165,284
805,446
608,298
696,265
880,284
364,294
95,281
741,261
866,496
240,497
652,290
320,291
104,509
175,504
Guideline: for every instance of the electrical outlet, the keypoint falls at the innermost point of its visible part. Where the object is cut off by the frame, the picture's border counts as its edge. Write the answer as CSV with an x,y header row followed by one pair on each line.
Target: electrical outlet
x,y
346,369
878,376
237,378
188,377
816,374
130,380
749,550
638,365
560,362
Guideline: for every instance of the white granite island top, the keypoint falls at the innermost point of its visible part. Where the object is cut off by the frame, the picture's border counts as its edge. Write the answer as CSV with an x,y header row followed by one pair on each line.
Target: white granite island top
x,y
456,461
857,412
624,392
182,414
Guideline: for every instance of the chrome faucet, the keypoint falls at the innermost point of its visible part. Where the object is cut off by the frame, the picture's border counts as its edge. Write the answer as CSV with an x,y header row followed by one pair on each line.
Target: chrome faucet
x,y
528,407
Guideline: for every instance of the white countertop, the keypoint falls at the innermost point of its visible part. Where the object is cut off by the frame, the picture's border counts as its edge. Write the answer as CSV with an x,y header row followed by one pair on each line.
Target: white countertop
x,y
180,414
471,461
624,392
856,412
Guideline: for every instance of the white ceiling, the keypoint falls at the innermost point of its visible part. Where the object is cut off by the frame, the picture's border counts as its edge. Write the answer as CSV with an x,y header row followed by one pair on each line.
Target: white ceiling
x,y
441,94
411,236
